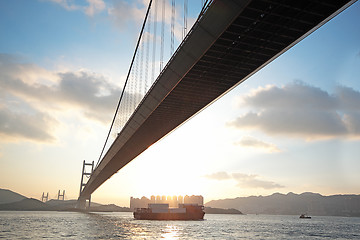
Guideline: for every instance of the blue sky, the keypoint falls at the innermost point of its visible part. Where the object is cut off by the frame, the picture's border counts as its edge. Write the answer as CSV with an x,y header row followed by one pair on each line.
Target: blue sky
x,y
293,126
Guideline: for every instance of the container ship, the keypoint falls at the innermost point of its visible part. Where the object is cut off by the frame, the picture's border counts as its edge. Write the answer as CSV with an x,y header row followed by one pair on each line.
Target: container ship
x,y
161,211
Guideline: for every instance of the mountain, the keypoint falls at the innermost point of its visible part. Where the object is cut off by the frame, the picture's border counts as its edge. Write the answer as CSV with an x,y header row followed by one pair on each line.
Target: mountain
x,y
67,203
7,196
27,204
109,208
30,204
12,201
294,204
210,210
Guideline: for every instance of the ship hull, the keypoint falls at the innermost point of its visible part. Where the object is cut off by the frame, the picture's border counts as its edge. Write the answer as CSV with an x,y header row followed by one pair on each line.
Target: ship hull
x,y
169,216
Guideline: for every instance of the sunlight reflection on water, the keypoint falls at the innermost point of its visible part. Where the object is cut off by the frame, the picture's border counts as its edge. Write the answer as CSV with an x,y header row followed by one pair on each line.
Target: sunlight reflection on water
x,y
171,232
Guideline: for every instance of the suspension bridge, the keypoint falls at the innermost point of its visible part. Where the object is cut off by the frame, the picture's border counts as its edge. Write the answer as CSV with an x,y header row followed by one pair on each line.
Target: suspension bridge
x,y
229,41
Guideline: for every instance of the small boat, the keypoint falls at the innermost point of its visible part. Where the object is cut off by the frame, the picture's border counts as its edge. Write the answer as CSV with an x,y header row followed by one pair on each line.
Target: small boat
x,y
304,216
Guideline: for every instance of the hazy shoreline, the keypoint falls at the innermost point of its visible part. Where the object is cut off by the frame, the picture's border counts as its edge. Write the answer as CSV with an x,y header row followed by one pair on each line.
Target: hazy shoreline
x,y
313,204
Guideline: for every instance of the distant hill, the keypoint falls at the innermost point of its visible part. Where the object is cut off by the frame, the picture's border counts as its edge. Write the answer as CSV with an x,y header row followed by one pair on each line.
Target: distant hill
x,y
294,204
210,210
11,201
27,204
61,205
7,196
30,204
109,208
66,204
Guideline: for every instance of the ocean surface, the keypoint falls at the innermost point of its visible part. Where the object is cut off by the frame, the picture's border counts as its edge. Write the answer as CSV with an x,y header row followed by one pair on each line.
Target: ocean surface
x,y
72,225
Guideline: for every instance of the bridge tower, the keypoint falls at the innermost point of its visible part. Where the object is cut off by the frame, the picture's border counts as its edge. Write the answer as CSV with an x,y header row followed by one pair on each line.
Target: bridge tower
x,y
61,196
82,202
45,198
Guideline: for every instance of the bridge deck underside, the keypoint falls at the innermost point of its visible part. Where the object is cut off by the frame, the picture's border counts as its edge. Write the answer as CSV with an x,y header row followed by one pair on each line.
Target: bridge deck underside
x,y
261,32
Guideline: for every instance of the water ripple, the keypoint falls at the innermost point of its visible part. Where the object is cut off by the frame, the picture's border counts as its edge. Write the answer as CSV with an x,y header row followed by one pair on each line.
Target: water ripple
x,y
69,225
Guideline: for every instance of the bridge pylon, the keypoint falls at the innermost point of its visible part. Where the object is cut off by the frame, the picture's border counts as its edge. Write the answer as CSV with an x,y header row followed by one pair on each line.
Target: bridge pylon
x,y
61,196
81,204
45,198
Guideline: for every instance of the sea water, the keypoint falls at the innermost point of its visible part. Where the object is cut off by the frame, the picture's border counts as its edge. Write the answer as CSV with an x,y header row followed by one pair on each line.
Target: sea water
x,y
73,225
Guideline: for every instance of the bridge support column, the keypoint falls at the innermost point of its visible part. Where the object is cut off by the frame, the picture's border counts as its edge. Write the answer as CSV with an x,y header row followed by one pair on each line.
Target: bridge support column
x,y
45,198
81,204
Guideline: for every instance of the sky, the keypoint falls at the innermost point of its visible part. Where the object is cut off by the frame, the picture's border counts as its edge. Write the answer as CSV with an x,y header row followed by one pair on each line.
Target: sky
x,y
294,126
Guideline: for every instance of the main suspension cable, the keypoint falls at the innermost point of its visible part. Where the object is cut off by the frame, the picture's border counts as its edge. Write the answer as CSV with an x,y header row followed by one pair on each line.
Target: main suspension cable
x,y
126,81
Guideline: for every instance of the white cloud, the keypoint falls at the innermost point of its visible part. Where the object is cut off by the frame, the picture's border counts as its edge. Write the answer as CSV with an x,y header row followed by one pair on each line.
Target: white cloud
x,y
67,4
253,181
219,176
293,95
91,8
248,141
32,99
75,90
348,99
122,12
13,67
303,111
95,6
245,180
16,126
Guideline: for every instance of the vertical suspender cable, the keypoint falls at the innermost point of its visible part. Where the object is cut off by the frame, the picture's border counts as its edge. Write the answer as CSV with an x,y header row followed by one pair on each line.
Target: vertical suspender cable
x,y
135,82
154,43
185,17
127,98
127,78
172,27
147,39
142,69
162,35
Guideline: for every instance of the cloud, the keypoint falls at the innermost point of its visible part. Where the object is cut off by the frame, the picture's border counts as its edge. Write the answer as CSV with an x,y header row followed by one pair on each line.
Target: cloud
x,y
75,90
13,67
299,110
95,6
252,181
295,94
248,141
348,99
85,90
122,12
244,180
32,98
219,176
67,4
35,127
91,8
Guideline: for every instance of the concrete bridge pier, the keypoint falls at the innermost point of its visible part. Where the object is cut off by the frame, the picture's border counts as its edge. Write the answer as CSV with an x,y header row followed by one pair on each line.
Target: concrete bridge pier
x,y
83,203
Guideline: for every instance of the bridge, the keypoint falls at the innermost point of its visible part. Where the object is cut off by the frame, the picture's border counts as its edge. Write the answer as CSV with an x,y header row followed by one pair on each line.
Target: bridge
x,y
229,42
